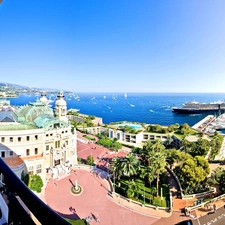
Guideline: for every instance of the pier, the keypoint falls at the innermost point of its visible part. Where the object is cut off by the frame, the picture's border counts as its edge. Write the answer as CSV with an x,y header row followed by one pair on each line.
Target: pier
x,y
204,123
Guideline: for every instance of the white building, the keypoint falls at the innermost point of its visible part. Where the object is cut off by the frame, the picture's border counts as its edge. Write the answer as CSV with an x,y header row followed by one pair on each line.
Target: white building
x,y
36,139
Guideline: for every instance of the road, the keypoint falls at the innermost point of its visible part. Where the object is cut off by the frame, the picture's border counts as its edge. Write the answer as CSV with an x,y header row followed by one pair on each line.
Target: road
x,y
217,218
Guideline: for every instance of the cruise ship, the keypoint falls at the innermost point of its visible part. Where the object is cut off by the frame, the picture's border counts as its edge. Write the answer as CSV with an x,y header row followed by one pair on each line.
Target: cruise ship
x,y
198,108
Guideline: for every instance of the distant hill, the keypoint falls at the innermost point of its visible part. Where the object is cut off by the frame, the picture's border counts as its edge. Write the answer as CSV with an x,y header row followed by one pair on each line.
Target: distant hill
x,y
9,87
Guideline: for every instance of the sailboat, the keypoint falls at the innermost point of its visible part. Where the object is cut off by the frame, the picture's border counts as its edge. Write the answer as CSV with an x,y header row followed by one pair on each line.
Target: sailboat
x,y
125,95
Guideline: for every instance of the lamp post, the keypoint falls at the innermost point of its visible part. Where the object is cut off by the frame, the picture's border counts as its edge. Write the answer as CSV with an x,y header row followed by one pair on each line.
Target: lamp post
x,y
144,195
114,180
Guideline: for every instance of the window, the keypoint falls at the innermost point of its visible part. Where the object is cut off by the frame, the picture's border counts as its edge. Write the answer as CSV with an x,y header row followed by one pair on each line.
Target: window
x,y
10,153
28,152
47,135
38,171
57,144
3,154
56,125
19,139
38,168
28,138
36,151
2,139
47,147
30,168
36,137
51,134
11,139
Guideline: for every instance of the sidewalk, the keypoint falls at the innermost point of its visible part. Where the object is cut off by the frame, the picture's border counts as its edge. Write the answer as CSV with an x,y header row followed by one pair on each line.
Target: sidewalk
x,y
204,210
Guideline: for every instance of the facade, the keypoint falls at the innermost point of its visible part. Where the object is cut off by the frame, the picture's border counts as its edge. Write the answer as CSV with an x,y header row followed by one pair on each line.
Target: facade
x,y
137,139
36,139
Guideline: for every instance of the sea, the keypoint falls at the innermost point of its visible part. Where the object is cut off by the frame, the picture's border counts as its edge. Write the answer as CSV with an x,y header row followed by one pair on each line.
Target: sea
x,y
149,108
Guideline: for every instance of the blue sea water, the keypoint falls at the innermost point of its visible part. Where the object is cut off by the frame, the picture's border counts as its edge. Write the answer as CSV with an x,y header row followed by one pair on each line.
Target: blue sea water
x,y
150,108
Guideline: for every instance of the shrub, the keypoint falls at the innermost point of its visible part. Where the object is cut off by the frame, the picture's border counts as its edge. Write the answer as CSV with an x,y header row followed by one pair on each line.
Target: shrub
x,y
34,182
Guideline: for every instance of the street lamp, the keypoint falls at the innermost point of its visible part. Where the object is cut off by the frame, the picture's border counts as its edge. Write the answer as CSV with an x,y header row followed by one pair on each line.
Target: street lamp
x,y
114,180
144,195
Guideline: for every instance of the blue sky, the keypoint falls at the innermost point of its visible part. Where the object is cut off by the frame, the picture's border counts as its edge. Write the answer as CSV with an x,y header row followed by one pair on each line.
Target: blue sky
x,y
114,46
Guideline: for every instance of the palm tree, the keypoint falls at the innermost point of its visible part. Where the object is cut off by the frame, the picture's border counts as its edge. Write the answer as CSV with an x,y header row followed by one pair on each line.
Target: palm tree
x,y
146,152
155,155
160,163
134,188
129,165
157,146
115,166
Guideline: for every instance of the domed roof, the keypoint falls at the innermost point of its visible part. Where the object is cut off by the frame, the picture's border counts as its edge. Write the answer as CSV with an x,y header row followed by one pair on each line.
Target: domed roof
x,y
60,101
35,109
44,98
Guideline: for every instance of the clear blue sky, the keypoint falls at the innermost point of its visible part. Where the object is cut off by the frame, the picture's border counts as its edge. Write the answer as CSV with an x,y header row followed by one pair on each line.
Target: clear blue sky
x,y
114,45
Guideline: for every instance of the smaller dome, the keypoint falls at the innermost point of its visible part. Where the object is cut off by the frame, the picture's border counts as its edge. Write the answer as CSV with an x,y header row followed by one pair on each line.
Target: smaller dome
x,y
44,98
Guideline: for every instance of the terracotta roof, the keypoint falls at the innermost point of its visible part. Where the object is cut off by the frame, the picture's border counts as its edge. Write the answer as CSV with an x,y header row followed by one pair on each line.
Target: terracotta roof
x,y
13,161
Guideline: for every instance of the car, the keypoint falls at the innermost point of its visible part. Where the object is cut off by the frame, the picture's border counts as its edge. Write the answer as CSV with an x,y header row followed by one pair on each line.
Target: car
x,y
185,222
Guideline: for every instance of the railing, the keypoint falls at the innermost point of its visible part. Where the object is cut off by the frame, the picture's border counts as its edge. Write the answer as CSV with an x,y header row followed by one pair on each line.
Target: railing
x,y
114,194
40,210
199,194
191,208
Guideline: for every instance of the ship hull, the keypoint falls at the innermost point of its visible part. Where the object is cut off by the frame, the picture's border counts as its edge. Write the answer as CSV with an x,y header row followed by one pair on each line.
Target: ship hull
x,y
195,111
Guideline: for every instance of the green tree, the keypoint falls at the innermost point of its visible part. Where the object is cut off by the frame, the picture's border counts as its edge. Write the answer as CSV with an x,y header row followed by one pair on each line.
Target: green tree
x,y
90,160
173,157
129,165
192,171
115,167
34,182
154,154
222,182
116,145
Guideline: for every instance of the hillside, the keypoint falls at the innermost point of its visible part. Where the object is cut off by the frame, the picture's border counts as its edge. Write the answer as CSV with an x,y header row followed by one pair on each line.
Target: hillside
x,y
10,88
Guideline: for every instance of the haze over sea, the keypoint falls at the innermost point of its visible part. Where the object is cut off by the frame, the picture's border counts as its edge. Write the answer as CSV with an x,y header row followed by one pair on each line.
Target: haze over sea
x,y
150,108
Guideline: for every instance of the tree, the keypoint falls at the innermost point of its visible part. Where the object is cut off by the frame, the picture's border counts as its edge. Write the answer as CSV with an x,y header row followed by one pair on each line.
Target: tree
x,y
173,157
133,188
217,173
90,160
34,182
154,154
168,142
222,182
115,166
129,165
192,171
116,146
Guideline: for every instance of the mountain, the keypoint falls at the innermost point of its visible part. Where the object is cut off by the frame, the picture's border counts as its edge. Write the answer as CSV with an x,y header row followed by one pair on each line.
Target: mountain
x,y
15,88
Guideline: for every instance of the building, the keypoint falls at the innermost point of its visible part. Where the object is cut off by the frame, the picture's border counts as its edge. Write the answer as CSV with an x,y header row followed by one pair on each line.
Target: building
x,y
37,139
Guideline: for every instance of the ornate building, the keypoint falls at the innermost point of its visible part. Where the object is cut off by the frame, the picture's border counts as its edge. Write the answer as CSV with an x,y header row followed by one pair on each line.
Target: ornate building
x,y
36,139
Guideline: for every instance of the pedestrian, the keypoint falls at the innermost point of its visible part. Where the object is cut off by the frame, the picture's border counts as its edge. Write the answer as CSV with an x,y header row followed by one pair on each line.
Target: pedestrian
x,y
211,207
214,207
98,220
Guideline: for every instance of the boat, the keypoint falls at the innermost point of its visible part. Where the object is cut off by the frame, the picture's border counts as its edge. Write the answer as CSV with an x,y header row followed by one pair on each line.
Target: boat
x,y
125,95
198,108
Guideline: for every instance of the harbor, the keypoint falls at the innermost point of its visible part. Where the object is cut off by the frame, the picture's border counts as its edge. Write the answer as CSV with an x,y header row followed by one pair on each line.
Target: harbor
x,y
210,124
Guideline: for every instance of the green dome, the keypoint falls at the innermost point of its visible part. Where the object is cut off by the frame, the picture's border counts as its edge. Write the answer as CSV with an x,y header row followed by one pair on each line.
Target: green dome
x,y
48,122
35,109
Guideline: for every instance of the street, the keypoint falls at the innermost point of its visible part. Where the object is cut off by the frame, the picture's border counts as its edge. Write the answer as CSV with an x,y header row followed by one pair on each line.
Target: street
x,y
217,218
